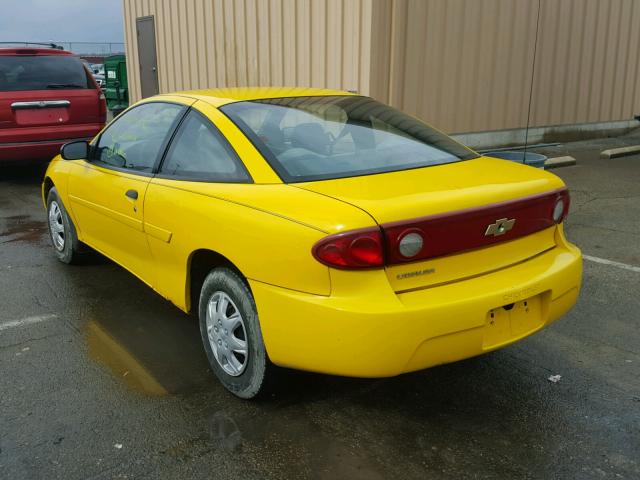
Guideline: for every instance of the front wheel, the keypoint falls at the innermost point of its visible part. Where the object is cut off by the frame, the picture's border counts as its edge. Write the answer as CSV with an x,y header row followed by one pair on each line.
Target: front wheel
x,y
61,230
231,333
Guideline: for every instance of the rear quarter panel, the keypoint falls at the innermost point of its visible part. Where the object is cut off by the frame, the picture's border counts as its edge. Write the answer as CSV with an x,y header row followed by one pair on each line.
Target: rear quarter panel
x,y
265,246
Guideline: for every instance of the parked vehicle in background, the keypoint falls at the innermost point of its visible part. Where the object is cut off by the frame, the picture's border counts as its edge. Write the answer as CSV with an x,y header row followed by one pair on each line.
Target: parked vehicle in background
x,y
99,79
97,70
116,87
47,98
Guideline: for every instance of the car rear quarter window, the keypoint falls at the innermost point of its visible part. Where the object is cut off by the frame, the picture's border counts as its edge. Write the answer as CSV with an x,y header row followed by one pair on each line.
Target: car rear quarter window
x,y
200,152
42,72
136,138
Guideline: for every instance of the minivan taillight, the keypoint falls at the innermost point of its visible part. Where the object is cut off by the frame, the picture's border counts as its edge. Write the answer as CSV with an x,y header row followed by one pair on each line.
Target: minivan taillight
x,y
102,113
351,250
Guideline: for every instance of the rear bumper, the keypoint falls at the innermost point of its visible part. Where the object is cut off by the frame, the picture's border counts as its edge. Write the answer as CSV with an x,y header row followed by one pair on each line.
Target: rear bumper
x,y
369,333
41,147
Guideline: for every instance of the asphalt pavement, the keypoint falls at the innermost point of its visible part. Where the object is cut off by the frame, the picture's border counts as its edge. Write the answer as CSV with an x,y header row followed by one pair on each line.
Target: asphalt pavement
x,y
101,378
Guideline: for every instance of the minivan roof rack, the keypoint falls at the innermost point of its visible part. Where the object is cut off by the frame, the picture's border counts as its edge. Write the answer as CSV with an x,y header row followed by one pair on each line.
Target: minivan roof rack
x,y
50,44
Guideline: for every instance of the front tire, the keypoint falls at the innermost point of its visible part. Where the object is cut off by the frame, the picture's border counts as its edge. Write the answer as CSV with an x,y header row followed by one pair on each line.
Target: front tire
x,y
231,333
62,232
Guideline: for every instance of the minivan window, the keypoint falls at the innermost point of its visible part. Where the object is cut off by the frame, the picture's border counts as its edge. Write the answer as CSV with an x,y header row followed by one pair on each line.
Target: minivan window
x,y
199,152
134,140
42,72
321,138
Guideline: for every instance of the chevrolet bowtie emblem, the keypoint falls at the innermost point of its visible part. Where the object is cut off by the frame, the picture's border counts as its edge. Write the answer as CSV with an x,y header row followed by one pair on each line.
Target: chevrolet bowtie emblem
x,y
501,227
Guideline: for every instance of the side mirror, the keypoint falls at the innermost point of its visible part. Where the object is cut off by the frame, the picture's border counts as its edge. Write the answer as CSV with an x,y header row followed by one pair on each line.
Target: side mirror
x,y
75,150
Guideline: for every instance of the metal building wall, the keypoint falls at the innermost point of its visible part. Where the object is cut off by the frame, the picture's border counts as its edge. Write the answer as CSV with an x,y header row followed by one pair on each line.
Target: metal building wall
x,y
588,62
212,43
462,65
468,65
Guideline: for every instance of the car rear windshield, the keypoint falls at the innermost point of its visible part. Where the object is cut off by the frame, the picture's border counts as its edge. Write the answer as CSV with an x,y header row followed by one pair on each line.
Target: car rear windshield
x,y
322,138
41,72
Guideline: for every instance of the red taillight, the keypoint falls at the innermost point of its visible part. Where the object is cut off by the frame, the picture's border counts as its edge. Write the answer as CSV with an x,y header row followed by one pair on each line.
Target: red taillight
x,y
351,250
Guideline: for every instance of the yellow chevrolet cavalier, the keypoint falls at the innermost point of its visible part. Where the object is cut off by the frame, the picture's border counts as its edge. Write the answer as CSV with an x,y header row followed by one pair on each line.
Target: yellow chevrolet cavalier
x,y
317,230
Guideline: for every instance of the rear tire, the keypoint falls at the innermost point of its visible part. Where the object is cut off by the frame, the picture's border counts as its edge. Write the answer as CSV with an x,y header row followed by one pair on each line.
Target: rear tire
x,y
231,334
62,232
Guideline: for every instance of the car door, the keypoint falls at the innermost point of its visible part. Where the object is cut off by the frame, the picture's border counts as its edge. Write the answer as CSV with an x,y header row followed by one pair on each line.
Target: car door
x,y
107,191
198,155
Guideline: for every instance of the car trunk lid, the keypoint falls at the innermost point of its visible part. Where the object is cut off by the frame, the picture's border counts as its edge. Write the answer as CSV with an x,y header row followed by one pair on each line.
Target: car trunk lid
x,y
455,205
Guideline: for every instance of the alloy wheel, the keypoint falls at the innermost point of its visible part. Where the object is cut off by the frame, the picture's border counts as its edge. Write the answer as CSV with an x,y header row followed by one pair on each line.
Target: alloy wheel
x,y
56,226
227,334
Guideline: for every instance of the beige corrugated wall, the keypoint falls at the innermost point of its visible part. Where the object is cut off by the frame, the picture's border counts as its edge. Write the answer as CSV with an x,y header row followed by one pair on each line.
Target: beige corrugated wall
x,y
467,65
211,43
588,61
462,65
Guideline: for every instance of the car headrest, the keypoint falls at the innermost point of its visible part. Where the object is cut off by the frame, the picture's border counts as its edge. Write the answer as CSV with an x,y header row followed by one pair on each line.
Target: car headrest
x,y
272,135
312,137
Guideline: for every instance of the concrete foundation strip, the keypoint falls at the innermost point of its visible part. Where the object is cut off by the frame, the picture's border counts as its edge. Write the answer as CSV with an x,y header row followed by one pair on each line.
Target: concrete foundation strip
x,y
619,152
557,162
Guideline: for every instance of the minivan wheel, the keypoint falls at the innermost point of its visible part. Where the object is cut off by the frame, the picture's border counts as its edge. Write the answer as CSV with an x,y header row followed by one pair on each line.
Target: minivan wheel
x,y
62,232
231,333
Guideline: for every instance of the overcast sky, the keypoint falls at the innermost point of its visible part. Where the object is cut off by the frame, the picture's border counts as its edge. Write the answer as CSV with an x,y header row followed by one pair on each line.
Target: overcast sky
x,y
61,20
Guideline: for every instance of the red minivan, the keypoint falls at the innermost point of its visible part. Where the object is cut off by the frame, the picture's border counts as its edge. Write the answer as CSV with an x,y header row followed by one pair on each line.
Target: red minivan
x,y
47,98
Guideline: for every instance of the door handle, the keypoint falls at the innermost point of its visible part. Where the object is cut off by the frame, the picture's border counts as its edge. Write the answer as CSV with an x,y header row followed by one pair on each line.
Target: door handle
x,y
132,194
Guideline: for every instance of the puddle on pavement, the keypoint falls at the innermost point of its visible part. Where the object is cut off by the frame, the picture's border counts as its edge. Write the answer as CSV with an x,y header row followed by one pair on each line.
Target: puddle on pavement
x,y
21,228
153,349
107,350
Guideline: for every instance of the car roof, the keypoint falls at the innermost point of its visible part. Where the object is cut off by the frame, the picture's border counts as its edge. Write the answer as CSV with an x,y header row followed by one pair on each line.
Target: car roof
x,y
32,51
223,96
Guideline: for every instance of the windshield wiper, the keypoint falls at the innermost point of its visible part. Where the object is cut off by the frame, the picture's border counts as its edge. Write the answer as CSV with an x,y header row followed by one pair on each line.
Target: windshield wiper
x,y
64,85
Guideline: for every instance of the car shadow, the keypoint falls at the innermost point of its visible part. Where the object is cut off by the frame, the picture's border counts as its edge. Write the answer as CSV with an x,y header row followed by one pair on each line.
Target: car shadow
x,y
30,173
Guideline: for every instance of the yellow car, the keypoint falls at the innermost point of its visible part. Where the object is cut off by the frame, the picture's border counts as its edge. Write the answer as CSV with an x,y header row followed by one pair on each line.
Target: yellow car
x,y
317,230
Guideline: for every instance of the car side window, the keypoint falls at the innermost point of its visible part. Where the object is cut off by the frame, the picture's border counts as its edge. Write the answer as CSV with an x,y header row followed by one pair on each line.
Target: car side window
x,y
200,152
134,140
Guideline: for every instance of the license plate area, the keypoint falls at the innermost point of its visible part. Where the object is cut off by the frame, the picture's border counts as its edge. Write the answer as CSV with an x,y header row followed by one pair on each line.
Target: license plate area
x,y
510,322
42,116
